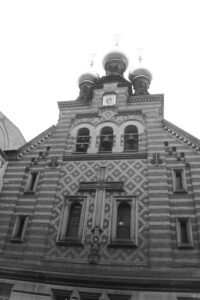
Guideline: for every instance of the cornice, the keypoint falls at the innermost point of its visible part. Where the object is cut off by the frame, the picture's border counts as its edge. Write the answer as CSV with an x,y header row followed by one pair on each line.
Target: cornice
x,y
117,282
17,154
103,156
146,98
182,135
73,104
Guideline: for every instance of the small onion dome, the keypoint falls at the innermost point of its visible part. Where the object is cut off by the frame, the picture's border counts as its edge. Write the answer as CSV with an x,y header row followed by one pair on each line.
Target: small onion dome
x,y
141,72
90,78
115,62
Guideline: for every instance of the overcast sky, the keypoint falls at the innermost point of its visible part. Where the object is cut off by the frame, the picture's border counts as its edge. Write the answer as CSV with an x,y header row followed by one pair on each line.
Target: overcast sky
x,y
46,45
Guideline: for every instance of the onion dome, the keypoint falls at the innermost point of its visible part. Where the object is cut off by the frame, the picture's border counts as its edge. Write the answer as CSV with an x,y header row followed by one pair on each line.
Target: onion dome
x,y
90,78
141,79
115,62
86,82
141,72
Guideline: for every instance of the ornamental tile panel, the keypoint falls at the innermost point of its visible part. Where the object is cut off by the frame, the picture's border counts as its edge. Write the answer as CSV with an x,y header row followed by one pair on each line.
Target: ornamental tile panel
x,y
133,174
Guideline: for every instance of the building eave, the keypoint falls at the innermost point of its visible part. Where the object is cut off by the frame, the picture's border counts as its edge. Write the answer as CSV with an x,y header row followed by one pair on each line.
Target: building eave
x,y
182,135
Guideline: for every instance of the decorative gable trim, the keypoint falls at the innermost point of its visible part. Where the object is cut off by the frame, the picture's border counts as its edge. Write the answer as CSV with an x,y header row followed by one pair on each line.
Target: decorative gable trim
x,y
16,154
182,135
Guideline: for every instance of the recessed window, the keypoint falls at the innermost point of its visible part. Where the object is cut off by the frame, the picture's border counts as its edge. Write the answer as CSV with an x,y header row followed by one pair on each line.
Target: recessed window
x,y
131,138
184,233
72,221
31,183
5,291
72,231
19,228
82,141
124,222
179,180
106,139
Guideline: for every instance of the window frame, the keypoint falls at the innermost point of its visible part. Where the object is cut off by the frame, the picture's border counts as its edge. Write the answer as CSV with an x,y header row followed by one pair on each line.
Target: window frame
x,y
180,244
183,180
27,189
133,240
14,237
62,239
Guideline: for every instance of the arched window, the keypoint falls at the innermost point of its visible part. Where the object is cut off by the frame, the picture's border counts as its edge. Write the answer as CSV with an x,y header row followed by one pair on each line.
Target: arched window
x,y
131,138
82,141
106,139
73,221
123,221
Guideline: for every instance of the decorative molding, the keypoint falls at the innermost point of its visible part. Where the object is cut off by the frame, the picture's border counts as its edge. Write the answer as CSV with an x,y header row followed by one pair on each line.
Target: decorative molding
x,y
182,135
103,156
17,154
54,162
73,104
91,186
130,112
95,245
86,115
146,98
156,160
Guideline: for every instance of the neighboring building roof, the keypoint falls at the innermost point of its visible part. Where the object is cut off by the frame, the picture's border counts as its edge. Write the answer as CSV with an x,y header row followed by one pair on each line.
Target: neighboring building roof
x,y
15,154
10,135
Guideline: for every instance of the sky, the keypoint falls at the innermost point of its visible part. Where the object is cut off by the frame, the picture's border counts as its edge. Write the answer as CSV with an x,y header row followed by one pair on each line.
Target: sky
x,y
46,45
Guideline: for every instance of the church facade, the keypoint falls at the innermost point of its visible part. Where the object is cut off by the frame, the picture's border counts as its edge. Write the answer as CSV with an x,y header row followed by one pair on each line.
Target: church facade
x,y
106,204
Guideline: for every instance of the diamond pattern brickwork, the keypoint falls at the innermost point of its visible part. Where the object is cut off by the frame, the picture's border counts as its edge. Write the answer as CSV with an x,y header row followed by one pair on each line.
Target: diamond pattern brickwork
x,y
134,175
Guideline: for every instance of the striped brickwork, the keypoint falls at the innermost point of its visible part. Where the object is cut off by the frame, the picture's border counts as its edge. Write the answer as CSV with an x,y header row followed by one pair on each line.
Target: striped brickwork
x,y
147,176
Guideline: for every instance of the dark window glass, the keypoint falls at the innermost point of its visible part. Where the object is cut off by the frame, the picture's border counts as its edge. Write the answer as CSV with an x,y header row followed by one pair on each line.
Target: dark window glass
x,y
19,227
184,231
123,221
31,182
179,180
83,138
131,138
106,139
73,221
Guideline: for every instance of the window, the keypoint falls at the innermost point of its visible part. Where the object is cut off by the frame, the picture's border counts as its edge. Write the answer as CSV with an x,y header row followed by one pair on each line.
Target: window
x,y
179,180
131,138
19,228
5,291
184,233
31,183
71,227
106,139
83,139
61,295
124,222
73,221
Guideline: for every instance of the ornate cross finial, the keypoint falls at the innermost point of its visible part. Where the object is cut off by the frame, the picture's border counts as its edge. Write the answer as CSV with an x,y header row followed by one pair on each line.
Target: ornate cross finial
x,y
140,54
92,56
117,39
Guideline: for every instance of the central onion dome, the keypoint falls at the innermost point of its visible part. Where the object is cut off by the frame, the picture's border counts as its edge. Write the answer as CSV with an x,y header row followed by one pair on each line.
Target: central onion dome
x,y
115,63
